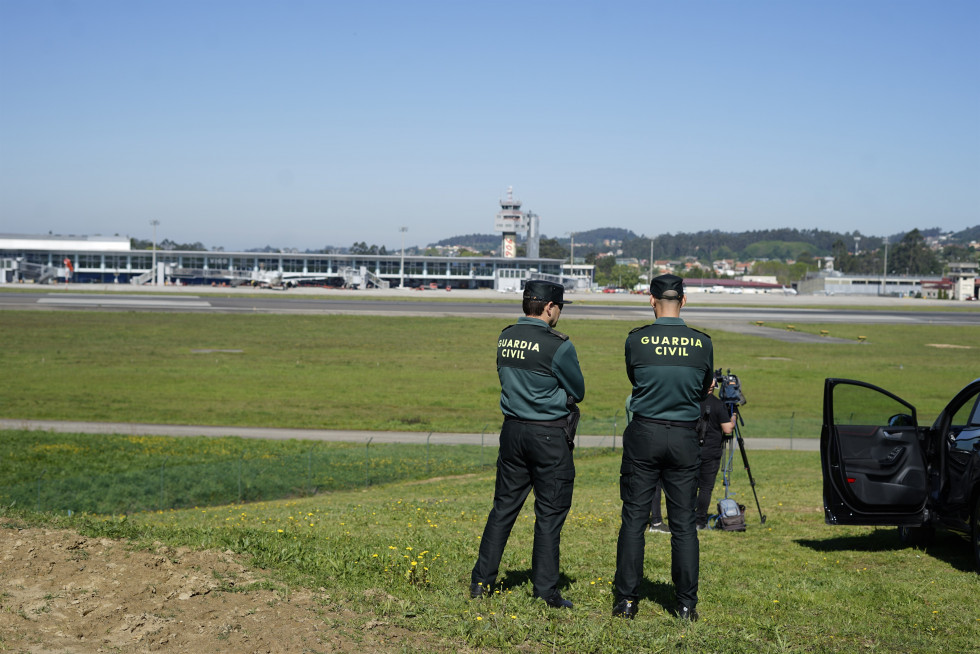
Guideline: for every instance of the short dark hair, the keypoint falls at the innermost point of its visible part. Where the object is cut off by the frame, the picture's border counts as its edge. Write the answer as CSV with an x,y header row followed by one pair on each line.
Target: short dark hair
x,y
533,307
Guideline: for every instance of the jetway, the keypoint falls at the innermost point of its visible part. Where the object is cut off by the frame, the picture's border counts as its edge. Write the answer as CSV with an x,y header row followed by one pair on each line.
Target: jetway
x,y
18,270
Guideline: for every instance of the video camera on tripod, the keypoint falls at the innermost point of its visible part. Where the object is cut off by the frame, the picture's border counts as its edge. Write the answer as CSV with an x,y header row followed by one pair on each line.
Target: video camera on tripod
x,y
730,393
729,388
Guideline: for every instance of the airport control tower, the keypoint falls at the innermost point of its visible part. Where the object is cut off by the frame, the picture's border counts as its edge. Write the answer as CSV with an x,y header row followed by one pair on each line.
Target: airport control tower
x,y
510,221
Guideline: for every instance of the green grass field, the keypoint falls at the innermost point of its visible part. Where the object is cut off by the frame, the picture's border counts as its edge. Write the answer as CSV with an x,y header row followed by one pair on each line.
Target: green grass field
x,y
114,474
402,550
414,374
402,553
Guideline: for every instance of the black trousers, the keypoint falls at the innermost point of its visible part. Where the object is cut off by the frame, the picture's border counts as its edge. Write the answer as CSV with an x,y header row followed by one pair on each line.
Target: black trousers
x,y
707,474
538,457
710,462
653,454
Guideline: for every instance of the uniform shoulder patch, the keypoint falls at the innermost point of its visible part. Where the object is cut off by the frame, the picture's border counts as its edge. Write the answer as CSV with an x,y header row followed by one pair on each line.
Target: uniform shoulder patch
x,y
636,329
707,335
557,333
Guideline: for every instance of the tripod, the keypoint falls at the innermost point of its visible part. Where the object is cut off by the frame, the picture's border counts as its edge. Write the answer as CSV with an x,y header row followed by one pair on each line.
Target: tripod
x,y
728,454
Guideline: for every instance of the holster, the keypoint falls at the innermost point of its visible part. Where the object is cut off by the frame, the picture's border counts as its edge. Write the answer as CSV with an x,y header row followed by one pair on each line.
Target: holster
x,y
703,425
572,425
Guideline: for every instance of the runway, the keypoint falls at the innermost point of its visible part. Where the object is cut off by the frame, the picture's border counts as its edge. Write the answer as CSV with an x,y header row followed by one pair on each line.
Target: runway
x,y
728,313
742,313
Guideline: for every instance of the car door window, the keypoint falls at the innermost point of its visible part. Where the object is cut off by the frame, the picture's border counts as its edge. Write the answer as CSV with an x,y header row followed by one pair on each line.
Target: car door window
x,y
965,424
968,415
860,405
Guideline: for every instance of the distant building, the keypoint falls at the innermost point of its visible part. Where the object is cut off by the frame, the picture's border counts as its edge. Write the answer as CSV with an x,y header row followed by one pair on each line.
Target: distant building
x,y
737,285
959,284
25,258
937,289
836,283
963,279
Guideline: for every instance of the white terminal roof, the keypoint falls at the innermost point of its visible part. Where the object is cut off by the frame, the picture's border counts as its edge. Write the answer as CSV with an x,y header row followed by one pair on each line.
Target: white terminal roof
x,y
61,242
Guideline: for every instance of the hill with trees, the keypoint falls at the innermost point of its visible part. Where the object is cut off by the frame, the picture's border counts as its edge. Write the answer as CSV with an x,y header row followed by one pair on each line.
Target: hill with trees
x,y
788,254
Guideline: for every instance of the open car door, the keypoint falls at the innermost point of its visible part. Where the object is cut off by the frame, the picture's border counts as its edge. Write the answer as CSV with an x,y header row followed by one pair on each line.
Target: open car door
x,y
874,471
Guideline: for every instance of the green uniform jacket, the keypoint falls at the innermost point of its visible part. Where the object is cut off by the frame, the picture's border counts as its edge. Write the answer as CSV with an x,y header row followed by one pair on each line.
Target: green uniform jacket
x,y
670,366
539,372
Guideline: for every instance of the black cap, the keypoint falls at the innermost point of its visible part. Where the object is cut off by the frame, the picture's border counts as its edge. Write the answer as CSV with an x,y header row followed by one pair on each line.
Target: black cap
x,y
545,291
669,287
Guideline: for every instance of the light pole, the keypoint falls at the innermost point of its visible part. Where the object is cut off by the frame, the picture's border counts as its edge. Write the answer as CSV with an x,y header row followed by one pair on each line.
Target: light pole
x,y
884,272
154,223
650,274
401,271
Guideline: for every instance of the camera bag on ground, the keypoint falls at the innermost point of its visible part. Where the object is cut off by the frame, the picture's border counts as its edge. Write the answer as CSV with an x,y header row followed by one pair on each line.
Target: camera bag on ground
x,y
731,515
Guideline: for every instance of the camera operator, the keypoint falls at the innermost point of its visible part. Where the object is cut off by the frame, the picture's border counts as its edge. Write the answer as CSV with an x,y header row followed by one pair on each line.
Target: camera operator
x,y
718,427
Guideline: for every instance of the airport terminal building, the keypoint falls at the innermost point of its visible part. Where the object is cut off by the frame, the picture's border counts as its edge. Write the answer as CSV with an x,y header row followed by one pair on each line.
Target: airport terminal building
x,y
110,260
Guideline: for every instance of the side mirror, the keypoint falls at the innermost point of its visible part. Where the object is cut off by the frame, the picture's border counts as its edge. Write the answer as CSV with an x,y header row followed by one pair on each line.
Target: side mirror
x,y
901,420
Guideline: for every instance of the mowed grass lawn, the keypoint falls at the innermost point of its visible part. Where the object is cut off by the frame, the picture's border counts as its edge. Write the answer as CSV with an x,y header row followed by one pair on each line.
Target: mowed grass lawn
x,y
415,374
402,553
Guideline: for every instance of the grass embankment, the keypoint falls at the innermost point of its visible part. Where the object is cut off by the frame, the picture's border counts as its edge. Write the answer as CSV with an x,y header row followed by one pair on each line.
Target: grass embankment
x,y
402,553
116,474
414,374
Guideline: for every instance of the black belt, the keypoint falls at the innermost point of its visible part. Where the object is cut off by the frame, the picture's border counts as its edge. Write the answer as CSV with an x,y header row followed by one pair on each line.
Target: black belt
x,y
688,424
561,422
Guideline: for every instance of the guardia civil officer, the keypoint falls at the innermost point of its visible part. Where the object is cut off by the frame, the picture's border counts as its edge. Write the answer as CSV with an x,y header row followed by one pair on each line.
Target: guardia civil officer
x,y
718,427
670,366
540,385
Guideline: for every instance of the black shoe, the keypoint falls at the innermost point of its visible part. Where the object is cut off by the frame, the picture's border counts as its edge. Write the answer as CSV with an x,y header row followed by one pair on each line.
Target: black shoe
x,y
701,526
625,609
689,614
556,601
478,590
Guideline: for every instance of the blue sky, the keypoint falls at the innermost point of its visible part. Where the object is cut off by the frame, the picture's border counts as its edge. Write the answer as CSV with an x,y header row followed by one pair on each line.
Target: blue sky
x,y
309,123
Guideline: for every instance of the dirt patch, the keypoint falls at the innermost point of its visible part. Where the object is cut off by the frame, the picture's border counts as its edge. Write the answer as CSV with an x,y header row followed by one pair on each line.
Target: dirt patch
x,y
947,345
60,591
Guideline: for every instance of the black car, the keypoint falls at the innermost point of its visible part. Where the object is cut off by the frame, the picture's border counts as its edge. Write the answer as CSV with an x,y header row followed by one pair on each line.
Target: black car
x,y
881,468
